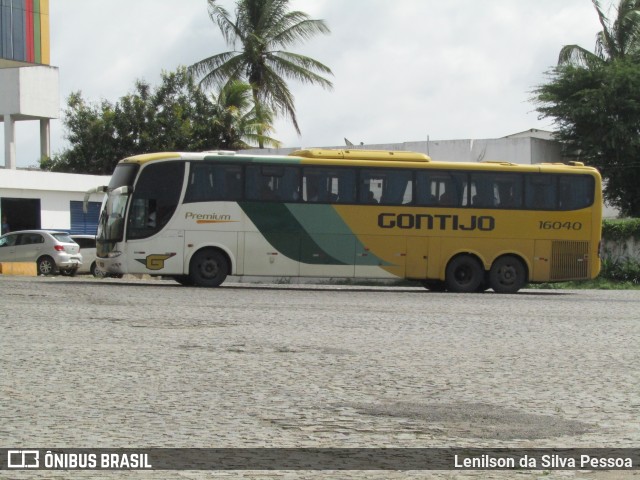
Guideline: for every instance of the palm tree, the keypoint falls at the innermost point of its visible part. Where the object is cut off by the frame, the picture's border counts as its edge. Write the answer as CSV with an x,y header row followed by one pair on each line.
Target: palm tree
x,y
620,39
237,121
264,29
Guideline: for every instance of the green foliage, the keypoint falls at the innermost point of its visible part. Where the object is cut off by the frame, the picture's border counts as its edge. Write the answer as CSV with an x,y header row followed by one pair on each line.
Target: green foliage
x,y
618,39
175,116
621,270
615,269
594,99
597,114
264,30
621,230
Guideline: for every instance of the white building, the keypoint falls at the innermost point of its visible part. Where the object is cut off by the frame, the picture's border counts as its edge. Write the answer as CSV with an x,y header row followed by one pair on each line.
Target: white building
x,y
528,147
35,199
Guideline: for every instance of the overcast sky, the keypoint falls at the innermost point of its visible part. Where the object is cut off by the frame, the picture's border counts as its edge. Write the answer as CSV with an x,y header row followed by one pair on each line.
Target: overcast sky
x,y
403,69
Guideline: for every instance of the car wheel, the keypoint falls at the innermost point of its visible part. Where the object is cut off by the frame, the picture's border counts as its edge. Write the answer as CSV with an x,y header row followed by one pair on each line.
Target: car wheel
x,y
464,274
46,266
208,268
507,275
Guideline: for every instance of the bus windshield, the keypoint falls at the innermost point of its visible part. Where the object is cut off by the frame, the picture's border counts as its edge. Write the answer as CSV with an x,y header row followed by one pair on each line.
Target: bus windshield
x,y
111,224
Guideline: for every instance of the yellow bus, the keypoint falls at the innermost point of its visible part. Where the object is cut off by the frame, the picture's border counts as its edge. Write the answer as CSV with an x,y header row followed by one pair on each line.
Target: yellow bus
x,y
461,227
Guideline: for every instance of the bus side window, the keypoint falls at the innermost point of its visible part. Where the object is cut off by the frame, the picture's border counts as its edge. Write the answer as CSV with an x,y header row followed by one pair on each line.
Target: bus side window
x,y
210,182
273,183
201,183
540,192
425,189
454,191
575,192
232,184
496,190
388,187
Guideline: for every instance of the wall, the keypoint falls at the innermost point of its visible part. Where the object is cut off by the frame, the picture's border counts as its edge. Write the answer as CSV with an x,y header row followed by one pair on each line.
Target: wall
x,y
523,150
55,191
30,92
622,250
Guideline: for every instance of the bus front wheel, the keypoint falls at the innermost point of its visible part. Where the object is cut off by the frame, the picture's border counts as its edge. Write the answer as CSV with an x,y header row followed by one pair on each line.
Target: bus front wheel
x,y
464,274
208,268
507,274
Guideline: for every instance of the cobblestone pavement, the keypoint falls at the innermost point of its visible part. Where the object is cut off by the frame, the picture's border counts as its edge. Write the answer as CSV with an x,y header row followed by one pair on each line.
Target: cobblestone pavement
x,y
133,363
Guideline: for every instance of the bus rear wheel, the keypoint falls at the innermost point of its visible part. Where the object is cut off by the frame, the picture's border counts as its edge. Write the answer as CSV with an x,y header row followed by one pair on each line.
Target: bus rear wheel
x,y
208,268
507,275
464,274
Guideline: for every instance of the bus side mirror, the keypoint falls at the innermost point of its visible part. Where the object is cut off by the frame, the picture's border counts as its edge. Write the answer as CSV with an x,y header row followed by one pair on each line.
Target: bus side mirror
x,y
88,193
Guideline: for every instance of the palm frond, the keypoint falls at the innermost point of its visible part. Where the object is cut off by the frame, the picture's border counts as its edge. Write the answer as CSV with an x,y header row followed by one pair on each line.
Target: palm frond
x,y
217,70
297,27
279,98
576,55
299,67
220,15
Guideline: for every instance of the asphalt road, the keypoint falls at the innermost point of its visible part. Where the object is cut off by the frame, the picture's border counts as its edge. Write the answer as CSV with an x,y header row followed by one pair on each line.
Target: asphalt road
x,y
132,363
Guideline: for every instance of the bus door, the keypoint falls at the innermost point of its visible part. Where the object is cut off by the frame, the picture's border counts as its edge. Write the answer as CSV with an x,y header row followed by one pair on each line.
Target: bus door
x,y
154,244
417,257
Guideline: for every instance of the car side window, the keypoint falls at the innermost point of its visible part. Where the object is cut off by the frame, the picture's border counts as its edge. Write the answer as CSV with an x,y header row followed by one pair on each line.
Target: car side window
x,y
30,239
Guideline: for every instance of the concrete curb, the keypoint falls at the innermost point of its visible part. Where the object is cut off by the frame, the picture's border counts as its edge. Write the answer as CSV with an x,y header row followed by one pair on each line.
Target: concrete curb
x,y
27,269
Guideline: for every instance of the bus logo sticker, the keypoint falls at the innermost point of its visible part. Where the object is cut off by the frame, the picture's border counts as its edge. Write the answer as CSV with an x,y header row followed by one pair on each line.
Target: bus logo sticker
x,y
155,261
203,218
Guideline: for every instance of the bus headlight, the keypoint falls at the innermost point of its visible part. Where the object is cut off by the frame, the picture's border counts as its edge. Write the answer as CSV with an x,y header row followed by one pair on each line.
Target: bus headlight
x,y
114,254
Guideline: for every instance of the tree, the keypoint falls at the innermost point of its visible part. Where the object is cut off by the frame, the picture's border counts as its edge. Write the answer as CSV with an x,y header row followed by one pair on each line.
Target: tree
x,y
237,119
264,29
617,40
594,99
597,114
175,116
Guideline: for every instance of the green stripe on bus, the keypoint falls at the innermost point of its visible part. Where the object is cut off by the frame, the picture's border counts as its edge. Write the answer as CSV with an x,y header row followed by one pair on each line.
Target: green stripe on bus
x,y
327,228
287,227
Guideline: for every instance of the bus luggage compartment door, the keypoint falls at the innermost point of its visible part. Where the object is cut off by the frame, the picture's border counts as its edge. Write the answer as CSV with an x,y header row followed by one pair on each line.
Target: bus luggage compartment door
x,y
381,256
417,257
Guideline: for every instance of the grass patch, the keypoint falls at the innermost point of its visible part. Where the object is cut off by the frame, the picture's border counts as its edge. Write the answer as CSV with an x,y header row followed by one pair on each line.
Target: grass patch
x,y
597,284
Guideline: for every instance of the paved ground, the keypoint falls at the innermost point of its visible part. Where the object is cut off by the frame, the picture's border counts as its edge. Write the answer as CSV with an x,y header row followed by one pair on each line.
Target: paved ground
x,y
129,363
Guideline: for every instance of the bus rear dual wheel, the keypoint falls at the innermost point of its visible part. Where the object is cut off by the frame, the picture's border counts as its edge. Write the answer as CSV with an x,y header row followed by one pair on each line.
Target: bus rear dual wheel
x,y
208,268
465,274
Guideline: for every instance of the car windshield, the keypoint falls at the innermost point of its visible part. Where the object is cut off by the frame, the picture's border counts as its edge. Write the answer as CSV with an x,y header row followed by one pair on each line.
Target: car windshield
x,y
62,237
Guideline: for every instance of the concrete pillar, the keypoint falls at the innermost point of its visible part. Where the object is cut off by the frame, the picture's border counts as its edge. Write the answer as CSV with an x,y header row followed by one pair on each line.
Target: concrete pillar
x,y
45,137
9,142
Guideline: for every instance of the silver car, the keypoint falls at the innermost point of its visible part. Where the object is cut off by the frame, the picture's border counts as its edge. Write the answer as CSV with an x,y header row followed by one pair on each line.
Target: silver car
x,y
52,251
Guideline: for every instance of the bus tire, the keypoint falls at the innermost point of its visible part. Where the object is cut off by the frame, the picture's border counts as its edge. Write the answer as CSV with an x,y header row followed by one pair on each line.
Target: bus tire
x,y
508,274
464,274
208,268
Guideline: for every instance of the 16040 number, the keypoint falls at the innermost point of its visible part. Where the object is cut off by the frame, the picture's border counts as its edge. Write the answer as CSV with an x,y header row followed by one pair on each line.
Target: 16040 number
x,y
549,225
